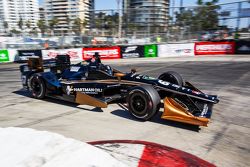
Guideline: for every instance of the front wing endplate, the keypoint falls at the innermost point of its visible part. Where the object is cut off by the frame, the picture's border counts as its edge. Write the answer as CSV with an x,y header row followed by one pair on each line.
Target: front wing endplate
x,y
174,111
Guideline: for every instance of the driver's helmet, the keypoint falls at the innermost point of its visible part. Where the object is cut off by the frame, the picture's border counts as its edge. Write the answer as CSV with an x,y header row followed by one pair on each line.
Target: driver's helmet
x,y
96,55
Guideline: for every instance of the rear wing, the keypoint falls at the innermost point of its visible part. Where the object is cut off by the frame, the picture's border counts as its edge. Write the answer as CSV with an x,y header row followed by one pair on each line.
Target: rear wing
x,y
37,64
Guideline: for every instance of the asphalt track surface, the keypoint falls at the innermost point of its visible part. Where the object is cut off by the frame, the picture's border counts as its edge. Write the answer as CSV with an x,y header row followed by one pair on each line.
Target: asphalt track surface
x,y
225,142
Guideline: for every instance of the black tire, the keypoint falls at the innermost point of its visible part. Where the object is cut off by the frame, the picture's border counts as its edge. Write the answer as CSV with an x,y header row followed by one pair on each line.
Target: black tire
x,y
143,102
172,77
37,87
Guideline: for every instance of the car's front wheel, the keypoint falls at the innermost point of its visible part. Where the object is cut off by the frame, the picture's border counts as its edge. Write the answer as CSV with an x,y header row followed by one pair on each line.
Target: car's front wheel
x,y
172,77
37,87
143,102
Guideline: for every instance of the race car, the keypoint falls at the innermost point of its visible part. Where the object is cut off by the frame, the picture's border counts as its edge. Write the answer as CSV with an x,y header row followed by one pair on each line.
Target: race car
x,y
93,83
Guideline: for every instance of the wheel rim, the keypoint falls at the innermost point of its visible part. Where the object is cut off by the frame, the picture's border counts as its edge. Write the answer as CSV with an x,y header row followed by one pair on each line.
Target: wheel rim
x,y
36,86
138,104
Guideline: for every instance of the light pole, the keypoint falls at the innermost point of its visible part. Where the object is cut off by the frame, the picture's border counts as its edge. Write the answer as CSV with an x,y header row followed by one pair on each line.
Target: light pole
x,y
120,19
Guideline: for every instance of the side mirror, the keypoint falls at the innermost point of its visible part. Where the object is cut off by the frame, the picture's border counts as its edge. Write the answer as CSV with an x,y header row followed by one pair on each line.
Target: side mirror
x,y
119,75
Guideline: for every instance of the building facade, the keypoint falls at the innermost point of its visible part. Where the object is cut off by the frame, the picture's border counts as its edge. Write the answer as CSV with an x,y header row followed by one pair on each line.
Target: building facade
x,y
66,13
148,15
12,11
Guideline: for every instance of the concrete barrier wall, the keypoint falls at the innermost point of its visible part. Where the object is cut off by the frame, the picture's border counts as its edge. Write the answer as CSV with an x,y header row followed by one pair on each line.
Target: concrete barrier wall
x,y
134,51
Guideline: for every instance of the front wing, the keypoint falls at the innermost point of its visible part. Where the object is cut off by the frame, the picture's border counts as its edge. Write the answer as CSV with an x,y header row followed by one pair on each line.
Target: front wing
x,y
176,112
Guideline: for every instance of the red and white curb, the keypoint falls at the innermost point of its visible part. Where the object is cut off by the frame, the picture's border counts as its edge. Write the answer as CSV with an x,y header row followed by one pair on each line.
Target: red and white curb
x,y
146,154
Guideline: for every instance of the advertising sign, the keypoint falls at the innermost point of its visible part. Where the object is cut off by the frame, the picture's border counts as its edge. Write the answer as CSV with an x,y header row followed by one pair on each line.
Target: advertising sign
x,y
242,47
105,52
25,54
150,51
74,54
4,56
170,50
210,48
132,51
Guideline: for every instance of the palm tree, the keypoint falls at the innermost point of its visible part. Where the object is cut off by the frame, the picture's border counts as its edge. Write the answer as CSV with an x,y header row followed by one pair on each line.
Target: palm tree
x,y
6,26
77,26
20,23
68,20
42,26
52,24
28,24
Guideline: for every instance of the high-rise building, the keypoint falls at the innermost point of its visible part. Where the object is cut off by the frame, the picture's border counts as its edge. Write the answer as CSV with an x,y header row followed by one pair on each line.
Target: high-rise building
x,y
66,12
12,11
148,15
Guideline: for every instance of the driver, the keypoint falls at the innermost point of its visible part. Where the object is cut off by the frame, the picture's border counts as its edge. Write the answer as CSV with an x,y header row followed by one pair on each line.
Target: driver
x,y
95,60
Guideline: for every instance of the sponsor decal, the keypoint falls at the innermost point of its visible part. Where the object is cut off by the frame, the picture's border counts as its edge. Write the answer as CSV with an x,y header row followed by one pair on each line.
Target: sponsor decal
x,y
244,48
150,50
204,48
4,56
70,89
74,54
183,51
105,53
23,78
169,50
25,54
74,69
204,111
196,92
130,49
164,82
176,86
148,78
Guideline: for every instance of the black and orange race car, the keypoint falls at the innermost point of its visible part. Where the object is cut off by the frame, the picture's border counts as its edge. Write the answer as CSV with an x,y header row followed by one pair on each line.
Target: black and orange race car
x,y
93,83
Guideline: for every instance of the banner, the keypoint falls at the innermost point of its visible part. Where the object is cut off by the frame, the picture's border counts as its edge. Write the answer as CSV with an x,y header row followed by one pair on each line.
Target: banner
x,y
170,50
210,48
4,56
24,55
75,54
105,52
132,51
150,50
242,47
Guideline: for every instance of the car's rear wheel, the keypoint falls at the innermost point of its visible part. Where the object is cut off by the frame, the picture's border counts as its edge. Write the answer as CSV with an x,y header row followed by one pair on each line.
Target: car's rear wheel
x,y
37,87
143,102
172,77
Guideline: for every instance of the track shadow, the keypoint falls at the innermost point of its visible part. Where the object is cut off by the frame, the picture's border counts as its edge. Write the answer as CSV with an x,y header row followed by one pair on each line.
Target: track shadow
x,y
25,93
124,113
